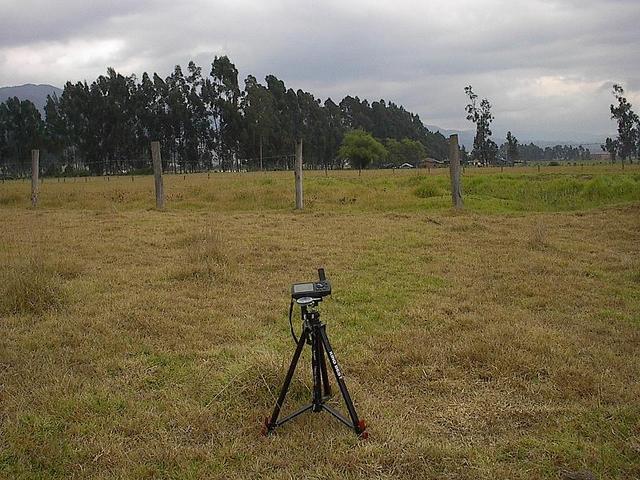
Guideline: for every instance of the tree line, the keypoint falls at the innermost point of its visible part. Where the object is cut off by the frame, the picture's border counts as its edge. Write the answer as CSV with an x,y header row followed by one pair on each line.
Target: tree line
x,y
202,121
625,146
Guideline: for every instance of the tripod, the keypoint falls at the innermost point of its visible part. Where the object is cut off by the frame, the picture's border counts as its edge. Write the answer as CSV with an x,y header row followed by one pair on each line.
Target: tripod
x,y
315,334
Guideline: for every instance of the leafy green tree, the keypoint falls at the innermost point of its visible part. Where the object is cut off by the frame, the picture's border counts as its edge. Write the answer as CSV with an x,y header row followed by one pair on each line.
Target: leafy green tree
x,y
413,151
404,151
360,149
627,119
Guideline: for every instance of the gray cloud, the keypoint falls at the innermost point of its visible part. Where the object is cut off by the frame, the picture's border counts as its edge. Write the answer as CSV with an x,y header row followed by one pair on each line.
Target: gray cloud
x,y
545,65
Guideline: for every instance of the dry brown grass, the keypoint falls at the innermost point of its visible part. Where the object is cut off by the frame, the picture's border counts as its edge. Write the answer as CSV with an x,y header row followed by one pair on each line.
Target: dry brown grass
x,y
35,284
475,346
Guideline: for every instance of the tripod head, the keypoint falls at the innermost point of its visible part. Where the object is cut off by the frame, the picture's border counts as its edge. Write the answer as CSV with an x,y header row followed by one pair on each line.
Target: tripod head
x,y
308,295
314,290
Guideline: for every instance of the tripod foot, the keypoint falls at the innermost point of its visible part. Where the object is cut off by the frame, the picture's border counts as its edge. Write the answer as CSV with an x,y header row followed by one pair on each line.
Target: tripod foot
x,y
265,430
362,430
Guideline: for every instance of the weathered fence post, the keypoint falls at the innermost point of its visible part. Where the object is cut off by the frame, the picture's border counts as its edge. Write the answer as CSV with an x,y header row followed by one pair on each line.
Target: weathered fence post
x,y
35,166
298,174
454,171
157,174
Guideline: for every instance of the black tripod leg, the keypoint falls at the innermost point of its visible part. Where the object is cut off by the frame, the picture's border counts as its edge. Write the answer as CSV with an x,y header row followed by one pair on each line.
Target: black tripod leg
x,y
271,424
356,424
323,370
315,368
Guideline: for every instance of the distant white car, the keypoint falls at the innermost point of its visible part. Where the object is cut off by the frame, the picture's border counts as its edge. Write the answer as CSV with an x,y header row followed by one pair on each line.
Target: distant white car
x,y
406,165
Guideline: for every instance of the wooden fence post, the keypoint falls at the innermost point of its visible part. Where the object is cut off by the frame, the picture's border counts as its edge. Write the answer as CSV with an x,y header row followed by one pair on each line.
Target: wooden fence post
x,y
454,171
157,174
298,175
35,166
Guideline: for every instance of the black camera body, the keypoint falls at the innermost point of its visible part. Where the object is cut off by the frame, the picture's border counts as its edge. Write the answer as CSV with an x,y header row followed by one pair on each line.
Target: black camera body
x,y
315,290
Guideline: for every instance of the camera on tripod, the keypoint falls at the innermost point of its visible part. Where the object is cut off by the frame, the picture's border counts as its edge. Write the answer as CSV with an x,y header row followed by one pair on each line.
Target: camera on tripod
x,y
313,290
314,333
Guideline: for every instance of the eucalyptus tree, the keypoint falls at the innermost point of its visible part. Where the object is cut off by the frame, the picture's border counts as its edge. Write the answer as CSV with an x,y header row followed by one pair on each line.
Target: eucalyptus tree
x,y
332,134
512,147
21,129
149,106
281,135
259,109
309,126
222,95
114,122
178,118
198,138
628,124
484,149
610,146
75,109
56,138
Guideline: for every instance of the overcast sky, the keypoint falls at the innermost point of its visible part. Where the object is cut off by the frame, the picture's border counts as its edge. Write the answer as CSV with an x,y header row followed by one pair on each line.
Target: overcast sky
x,y
547,66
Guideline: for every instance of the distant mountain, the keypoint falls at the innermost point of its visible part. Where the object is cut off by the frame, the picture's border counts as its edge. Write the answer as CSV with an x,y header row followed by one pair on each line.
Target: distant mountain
x,y
465,137
35,93
587,140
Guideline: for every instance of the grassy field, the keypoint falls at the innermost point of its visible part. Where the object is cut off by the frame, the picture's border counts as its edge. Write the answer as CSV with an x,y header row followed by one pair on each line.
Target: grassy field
x,y
498,342
487,190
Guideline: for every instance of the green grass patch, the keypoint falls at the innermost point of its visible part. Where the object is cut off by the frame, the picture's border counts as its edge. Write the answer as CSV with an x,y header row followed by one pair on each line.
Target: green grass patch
x,y
488,190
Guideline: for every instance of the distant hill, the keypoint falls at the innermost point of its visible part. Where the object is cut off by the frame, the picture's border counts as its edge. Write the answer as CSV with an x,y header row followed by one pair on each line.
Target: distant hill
x,y
35,93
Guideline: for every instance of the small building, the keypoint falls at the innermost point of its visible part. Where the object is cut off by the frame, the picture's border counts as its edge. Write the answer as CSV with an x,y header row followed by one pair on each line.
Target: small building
x,y
432,163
